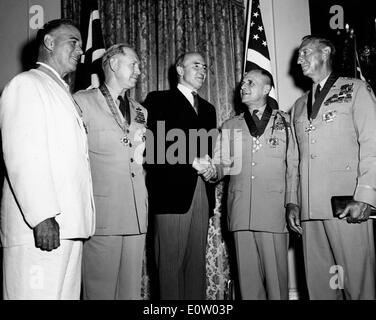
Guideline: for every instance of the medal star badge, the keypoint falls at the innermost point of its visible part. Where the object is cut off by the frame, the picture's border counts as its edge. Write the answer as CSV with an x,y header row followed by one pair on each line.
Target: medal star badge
x,y
140,118
329,116
273,142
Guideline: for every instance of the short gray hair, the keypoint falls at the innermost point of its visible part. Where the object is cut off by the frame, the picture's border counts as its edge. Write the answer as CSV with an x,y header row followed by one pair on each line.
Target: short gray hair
x,y
114,50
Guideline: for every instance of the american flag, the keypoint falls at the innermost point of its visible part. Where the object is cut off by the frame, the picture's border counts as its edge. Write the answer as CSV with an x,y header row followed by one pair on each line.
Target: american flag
x,y
257,52
89,72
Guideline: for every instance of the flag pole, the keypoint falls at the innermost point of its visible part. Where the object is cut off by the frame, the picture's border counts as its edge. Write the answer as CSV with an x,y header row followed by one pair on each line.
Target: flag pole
x,y
275,50
247,32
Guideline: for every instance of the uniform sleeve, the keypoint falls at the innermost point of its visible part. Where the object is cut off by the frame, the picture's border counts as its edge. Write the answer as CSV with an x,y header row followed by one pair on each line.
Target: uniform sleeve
x,y
292,166
364,115
25,147
228,152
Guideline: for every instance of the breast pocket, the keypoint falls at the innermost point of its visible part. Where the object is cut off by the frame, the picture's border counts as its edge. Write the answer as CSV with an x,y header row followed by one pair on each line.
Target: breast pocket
x,y
275,143
339,121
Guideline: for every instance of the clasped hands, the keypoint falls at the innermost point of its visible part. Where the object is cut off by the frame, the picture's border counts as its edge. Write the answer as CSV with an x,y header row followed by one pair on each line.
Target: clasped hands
x,y
205,168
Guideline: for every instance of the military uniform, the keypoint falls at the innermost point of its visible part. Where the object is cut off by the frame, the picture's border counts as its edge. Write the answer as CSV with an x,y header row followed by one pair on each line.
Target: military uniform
x,y
113,256
337,158
259,187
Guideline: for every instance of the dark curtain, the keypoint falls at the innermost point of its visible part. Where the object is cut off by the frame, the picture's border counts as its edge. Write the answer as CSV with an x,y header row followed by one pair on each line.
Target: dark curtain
x,y
361,19
160,31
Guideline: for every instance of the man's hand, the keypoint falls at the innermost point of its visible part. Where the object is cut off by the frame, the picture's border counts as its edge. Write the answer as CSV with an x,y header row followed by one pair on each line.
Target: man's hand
x,y
47,235
356,212
210,173
205,168
292,217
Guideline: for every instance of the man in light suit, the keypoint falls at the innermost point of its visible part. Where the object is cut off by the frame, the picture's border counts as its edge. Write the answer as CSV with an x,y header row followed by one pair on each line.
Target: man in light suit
x,y
47,204
258,151
112,260
179,199
336,134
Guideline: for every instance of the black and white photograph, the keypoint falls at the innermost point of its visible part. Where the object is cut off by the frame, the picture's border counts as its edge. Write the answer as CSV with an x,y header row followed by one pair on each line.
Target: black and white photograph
x,y
195,156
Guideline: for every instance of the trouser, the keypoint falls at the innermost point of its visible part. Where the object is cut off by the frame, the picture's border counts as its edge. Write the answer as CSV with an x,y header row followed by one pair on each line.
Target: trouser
x,y
180,246
30,273
262,265
339,259
112,267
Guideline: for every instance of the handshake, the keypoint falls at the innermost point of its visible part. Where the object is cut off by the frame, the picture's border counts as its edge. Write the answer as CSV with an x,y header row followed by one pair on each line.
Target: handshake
x,y
205,168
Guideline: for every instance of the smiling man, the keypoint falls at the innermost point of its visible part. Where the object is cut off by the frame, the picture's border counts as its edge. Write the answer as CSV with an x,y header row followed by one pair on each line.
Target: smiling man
x,y
112,258
336,134
179,198
261,139
47,204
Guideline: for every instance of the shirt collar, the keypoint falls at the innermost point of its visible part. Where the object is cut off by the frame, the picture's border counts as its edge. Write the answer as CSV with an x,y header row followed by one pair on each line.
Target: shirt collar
x,y
322,82
54,72
186,92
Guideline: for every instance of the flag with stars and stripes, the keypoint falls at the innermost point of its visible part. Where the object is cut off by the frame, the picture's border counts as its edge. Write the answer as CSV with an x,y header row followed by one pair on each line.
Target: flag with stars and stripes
x,y
89,71
257,52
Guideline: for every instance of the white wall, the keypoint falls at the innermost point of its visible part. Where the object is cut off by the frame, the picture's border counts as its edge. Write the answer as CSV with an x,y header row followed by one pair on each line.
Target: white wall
x,y
16,30
285,22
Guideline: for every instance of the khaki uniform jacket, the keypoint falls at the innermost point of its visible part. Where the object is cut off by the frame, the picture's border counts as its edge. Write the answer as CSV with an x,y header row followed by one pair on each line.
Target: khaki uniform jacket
x,y
118,177
261,182
338,152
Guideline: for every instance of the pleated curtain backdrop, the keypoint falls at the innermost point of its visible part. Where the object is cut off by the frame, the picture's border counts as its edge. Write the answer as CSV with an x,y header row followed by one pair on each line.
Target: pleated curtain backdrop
x,y
160,30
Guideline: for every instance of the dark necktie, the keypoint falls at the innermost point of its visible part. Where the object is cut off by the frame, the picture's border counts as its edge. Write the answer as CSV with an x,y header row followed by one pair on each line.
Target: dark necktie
x,y
124,108
195,100
317,92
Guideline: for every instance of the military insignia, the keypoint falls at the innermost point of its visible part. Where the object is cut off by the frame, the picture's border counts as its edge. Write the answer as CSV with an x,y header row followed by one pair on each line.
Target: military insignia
x,y
256,146
273,142
140,118
329,116
344,95
369,88
310,128
278,125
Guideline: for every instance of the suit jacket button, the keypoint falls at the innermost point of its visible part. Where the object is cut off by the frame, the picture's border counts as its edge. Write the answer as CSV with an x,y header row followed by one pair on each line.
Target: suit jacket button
x,y
253,177
131,159
132,174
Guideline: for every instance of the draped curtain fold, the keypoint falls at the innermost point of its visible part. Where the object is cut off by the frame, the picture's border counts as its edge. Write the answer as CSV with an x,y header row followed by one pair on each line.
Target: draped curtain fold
x,y
160,30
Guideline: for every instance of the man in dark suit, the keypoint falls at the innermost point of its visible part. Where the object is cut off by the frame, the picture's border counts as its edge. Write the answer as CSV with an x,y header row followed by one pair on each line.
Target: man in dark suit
x,y
178,197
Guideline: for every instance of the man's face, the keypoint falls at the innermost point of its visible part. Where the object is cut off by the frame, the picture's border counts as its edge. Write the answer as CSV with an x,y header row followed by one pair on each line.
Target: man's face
x,y
66,50
311,58
127,69
253,87
193,72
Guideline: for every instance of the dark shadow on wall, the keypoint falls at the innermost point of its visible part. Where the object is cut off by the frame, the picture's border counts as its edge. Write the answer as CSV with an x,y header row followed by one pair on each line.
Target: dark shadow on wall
x,y
29,55
172,76
295,72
